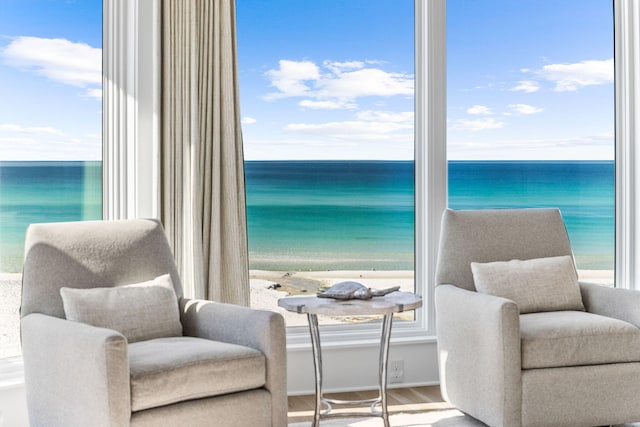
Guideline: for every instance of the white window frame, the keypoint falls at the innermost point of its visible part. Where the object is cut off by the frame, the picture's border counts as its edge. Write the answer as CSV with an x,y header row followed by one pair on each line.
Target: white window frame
x,y
430,179
131,57
627,130
132,32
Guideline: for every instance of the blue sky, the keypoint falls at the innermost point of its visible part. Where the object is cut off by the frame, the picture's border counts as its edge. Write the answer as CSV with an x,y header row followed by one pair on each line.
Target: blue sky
x,y
527,79
326,80
50,79
530,79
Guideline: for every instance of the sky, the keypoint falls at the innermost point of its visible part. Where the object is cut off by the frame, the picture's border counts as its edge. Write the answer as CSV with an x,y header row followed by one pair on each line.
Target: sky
x,y
50,80
526,79
332,79
530,79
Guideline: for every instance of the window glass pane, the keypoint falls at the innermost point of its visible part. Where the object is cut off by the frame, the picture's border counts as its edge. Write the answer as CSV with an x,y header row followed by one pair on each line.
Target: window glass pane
x,y
530,109
50,130
327,103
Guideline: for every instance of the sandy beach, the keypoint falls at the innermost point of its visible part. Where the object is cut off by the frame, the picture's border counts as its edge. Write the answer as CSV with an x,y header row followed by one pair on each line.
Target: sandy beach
x,y
266,288
9,314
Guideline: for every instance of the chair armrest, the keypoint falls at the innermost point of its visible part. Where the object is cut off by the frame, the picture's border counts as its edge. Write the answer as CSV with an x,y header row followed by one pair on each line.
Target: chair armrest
x,y
75,374
259,329
479,354
622,304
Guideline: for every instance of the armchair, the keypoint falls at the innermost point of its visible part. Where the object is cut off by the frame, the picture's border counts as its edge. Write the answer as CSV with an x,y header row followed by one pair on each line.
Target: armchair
x,y
226,368
548,368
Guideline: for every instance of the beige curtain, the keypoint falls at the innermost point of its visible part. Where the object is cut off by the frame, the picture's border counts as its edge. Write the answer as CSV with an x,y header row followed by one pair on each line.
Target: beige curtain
x,y
202,177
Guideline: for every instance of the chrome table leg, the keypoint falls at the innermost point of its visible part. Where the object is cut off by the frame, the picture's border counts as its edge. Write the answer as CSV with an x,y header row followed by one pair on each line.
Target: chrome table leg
x,y
384,363
317,363
382,373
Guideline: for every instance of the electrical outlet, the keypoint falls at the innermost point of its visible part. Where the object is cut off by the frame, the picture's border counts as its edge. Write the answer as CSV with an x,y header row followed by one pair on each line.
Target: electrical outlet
x,y
395,371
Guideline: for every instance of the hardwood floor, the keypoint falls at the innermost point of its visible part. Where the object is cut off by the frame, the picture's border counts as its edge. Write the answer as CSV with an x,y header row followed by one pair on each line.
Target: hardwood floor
x,y
405,400
401,400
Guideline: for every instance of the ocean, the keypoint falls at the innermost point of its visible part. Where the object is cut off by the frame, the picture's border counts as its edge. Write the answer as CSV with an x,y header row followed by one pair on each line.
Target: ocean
x,y
584,191
33,192
328,215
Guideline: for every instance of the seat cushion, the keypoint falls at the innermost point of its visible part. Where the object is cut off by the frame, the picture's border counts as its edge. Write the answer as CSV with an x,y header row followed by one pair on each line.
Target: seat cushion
x,y
572,338
170,370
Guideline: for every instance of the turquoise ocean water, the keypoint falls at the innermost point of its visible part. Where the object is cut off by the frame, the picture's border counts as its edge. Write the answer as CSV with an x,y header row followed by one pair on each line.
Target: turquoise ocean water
x,y
330,215
335,214
44,192
583,190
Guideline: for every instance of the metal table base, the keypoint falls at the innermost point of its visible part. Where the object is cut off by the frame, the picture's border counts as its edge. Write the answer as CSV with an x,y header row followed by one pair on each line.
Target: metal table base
x,y
381,400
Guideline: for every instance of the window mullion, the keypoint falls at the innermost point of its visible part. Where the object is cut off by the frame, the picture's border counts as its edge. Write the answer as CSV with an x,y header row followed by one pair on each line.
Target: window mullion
x,y
627,44
430,145
131,93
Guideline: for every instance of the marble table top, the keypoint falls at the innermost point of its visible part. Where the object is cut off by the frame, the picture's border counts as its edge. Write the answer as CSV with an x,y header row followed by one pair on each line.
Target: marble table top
x,y
394,302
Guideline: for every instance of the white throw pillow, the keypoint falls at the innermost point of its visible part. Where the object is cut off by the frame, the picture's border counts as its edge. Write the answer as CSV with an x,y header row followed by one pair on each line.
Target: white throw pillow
x,y
140,311
541,284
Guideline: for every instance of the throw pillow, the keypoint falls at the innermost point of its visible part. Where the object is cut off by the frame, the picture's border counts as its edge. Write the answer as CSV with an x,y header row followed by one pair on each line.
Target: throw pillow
x,y
541,284
140,311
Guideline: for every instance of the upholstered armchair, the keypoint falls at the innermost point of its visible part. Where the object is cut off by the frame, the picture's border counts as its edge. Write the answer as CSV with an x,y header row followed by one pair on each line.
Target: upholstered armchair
x,y
139,355
516,347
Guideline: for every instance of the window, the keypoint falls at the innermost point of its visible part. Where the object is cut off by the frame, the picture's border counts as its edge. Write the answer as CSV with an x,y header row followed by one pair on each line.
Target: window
x,y
531,116
50,130
328,129
415,346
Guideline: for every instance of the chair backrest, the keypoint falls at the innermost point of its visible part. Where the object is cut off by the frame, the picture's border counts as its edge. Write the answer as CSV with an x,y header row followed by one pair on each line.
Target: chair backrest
x,y
496,235
91,254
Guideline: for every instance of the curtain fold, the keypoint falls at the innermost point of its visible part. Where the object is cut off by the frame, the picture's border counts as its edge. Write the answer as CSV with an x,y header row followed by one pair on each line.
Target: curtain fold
x,y
202,180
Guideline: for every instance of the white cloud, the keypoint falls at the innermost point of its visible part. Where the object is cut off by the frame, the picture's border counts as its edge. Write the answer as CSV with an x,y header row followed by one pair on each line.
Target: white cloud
x,y
348,129
29,142
291,76
42,143
94,93
387,116
339,67
476,124
571,77
248,120
585,147
60,60
369,126
526,86
336,84
524,109
479,110
366,82
21,141
42,130
327,105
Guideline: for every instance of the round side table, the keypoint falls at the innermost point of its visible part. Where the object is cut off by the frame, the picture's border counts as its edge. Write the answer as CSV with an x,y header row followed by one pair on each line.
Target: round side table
x,y
394,302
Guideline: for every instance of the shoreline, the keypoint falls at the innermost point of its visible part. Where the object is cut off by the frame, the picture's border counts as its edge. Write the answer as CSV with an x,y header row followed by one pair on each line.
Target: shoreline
x,y
584,274
267,287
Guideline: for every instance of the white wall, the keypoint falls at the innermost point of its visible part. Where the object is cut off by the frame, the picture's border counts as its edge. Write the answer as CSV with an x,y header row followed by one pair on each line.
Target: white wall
x,y
13,407
355,367
13,402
